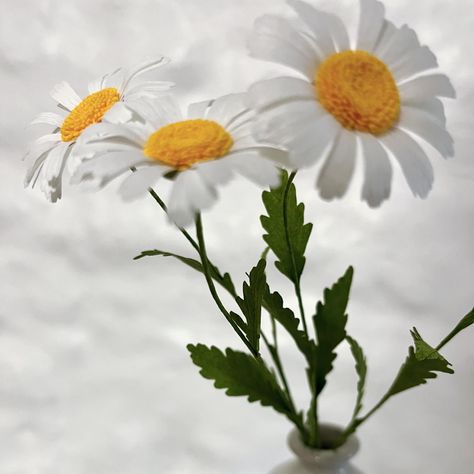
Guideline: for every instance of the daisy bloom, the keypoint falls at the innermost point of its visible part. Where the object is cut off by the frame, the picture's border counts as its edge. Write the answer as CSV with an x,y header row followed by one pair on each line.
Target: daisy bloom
x,y
380,93
51,153
197,153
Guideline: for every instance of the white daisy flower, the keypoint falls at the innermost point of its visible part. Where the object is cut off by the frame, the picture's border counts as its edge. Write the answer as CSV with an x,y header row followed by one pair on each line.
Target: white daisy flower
x,y
379,93
50,154
198,152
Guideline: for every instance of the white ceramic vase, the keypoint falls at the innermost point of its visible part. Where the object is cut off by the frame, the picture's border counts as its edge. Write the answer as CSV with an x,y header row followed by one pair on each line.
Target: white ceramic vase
x,y
320,461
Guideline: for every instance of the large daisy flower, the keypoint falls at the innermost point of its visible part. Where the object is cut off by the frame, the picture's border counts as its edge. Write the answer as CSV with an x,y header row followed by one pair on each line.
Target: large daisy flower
x,y
197,152
50,154
380,93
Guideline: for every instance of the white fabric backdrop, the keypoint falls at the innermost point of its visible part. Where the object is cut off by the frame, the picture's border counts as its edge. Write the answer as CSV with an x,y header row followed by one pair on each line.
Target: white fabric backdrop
x,y
94,375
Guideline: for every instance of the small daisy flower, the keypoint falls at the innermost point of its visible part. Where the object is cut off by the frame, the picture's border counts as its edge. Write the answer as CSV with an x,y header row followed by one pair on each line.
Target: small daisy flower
x,y
52,153
197,153
379,94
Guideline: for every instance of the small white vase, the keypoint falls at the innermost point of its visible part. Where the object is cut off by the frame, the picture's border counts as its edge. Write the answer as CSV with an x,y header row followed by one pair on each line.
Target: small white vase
x,y
320,461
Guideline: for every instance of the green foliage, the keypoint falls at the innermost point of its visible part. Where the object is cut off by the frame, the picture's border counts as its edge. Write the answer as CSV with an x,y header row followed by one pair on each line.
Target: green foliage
x,y
251,303
286,233
361,369
273,303
224,280
330,324
465,322
240,374
421,364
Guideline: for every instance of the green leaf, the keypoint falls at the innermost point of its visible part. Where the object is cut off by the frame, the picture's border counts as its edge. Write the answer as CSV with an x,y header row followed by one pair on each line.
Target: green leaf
x,y
361,369
330,324
465,322
273,303
251,303
289,251
224,280
240,374
422,363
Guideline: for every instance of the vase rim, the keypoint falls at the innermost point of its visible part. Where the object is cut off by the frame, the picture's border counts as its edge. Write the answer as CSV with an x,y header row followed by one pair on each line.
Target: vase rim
x,y
324,457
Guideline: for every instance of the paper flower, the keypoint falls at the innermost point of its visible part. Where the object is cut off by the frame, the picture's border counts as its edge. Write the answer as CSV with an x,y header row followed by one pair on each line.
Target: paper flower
x,y
52,153
378,93
198,153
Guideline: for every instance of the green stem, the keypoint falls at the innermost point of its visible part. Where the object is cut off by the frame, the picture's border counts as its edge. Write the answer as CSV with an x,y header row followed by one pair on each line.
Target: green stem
x,y
314,437
183,231
292,255
212,288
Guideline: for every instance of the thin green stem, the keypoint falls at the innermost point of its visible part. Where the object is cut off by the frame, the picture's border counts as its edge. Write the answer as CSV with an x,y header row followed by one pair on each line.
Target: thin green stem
x,y
163,206
212,288
292,255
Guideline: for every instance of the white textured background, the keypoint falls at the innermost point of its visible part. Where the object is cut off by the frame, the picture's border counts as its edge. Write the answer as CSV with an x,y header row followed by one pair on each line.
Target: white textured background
x,y
94,375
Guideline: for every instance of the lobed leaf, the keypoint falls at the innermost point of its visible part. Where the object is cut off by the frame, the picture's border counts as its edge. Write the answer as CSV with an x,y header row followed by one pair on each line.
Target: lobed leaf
x,y
422,363
240,374
224,280
287,238
273,303
330,325
361,369
251,303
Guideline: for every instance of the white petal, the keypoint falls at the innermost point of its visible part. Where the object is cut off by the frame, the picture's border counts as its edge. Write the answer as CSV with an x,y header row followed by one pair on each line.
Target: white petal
x,y
328,30
371,23
414,163
336,174
142,68
189,195
386,34
418,60
226,109
278,125
138,183
118,113
53,167
65,95
422,124
401,43
132,133
433,107
158,112
216,172
48,118
281,89
35,158
377,171
274,39
254,167
104,168
199,109
309,145
42,143
147,89
434,85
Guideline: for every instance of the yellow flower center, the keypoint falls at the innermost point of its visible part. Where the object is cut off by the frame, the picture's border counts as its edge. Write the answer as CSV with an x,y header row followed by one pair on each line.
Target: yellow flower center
x,y
359,91
90,110
183,144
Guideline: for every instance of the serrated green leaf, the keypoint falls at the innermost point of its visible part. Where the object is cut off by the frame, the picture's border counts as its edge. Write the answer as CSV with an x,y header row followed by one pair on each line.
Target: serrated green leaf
x,y
289,251
240,374
330,325
361,369
422,363
224,280
273,303
251,303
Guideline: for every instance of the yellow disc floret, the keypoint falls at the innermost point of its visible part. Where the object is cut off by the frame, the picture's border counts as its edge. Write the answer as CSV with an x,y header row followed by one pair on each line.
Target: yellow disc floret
x,y
359,91
90,110
183,144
